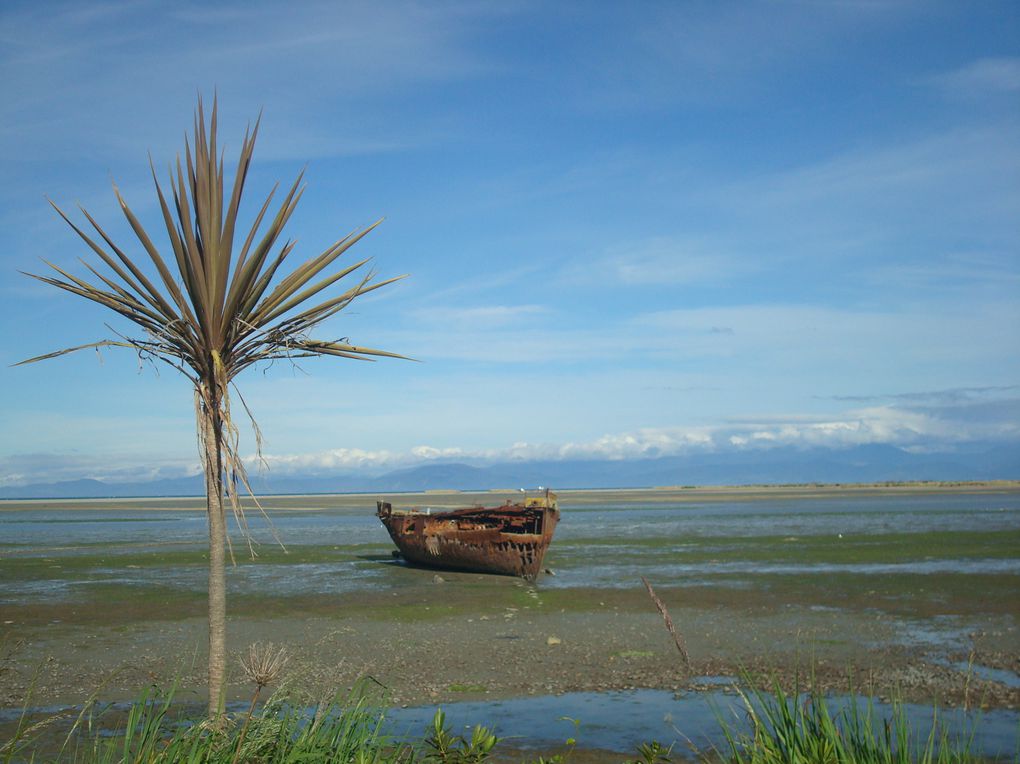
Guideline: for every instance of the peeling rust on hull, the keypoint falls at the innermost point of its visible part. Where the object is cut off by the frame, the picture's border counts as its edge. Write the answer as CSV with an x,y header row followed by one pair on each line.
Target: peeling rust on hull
x,y
509,540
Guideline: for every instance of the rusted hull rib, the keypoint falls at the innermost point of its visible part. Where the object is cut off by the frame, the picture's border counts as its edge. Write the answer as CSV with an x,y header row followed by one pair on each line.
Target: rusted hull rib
x,y
509,540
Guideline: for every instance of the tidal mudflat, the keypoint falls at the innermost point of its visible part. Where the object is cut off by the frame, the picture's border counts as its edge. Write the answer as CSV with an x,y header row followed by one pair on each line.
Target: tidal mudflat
x,y
909,592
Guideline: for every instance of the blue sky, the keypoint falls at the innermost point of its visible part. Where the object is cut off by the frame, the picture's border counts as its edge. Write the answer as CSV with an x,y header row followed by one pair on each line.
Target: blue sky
x,y
632,229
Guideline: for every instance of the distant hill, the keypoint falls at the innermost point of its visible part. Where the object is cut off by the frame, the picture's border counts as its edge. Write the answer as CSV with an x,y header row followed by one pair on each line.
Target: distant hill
x,y
862,464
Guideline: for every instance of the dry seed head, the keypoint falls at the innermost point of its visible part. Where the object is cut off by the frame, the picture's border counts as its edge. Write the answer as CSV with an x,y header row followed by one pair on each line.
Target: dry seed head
x,y
264,663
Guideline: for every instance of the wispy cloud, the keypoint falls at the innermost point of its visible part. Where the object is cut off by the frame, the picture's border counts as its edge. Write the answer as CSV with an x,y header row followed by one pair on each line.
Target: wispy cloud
x,y
807,336
715,54
659,261
952,396
22,469
131,66
953,272
963,172
768,339
986,75
862,212
481,318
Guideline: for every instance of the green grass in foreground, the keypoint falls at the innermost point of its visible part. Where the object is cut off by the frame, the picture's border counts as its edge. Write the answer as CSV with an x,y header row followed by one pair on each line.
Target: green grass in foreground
x,y
781,729
786,729
339,730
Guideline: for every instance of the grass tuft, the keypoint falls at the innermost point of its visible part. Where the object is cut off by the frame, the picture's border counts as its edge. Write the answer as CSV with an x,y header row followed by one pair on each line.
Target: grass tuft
x,y
342,729
802,729
780,728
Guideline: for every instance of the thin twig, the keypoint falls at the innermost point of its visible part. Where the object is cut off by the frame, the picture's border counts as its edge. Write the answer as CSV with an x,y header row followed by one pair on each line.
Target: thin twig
x,y
677,636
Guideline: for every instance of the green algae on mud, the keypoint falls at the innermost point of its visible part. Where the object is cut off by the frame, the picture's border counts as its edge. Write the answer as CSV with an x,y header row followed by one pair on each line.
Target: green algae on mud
x,y
27,562
141,578
173,554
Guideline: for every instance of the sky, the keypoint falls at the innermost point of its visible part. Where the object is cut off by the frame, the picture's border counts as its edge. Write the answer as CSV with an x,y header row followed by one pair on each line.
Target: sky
x,y
631,229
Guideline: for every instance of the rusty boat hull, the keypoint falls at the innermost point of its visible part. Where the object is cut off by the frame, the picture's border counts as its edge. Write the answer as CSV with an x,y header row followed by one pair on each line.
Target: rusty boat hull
x,y
508,540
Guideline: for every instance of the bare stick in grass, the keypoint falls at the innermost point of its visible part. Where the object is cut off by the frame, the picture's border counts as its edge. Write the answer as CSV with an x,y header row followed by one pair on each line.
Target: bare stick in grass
x,y
677,636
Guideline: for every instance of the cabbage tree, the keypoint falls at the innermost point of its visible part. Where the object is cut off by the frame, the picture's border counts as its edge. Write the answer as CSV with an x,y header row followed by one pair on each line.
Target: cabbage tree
x,y
211,301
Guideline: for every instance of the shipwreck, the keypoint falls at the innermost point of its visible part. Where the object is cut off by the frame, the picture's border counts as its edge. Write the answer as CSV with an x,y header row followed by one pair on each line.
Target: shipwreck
x,y
508,540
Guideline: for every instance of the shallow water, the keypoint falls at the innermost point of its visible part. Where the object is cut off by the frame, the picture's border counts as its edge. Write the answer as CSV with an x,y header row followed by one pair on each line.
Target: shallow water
x,y
799,516
607,545
49,526
620,721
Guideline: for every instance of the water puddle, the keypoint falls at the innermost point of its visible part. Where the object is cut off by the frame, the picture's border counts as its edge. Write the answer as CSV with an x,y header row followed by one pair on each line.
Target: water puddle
x,y
617,570
941,632
620,721
987,673
714,681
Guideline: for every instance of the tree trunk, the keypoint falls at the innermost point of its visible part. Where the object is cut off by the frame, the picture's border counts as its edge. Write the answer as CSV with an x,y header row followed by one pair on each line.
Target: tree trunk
x,y
212,430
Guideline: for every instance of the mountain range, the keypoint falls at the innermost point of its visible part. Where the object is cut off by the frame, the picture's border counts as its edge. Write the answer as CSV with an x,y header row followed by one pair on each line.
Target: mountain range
x,y
860,464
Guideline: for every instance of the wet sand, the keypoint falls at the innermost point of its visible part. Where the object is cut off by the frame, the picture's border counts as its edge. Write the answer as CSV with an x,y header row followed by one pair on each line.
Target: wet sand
x,y
617,644
440,637
479,650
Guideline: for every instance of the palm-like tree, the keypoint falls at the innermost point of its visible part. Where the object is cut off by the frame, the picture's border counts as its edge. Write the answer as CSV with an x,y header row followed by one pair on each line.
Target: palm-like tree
x,y
213,311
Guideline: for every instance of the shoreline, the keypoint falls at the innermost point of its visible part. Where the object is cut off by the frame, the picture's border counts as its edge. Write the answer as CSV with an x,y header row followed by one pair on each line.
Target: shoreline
x,y
457,497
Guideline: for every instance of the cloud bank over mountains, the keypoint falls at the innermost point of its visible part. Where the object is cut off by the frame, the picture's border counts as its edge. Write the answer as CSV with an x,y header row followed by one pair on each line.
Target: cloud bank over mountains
x,y
924,428
923,422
